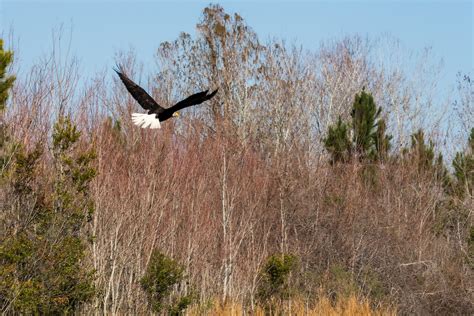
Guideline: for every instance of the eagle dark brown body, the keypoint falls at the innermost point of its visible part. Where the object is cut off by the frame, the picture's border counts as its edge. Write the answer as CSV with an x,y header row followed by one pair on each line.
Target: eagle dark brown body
x,y
157,113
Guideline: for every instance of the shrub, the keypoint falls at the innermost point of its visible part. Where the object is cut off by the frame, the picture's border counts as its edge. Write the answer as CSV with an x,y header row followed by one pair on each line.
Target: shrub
x,y
274,281
161,276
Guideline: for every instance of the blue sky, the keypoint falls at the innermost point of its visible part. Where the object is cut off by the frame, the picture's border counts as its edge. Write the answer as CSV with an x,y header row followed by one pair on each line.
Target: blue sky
x,y
101,28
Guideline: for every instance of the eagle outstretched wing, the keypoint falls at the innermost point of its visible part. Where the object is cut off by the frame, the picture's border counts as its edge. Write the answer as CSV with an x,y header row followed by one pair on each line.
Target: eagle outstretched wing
x,y
137,92
194,99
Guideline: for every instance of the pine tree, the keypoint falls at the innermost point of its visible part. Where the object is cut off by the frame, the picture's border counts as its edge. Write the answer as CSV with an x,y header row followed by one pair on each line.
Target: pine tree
x,y
6,82
369,140
364,116
42,254
381,142
422,155
338,143
463,164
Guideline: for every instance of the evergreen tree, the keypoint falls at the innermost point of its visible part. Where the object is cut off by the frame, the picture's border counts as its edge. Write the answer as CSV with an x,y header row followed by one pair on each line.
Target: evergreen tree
x,y
422,155
43,247
6,82
463,164
338,143
381,142
364,115
369,140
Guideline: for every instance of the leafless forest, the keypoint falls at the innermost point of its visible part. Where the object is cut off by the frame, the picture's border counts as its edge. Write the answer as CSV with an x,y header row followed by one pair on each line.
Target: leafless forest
x,y
246,175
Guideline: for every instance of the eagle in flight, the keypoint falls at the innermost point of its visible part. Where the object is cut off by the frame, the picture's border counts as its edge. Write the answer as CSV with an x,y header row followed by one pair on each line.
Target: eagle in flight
x,y
157,113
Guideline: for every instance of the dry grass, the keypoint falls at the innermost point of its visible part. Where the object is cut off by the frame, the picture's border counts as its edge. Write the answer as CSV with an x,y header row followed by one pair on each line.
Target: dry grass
x,y
349,306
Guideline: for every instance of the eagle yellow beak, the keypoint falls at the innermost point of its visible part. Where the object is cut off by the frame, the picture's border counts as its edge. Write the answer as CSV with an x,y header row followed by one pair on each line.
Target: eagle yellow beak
x,y
176,114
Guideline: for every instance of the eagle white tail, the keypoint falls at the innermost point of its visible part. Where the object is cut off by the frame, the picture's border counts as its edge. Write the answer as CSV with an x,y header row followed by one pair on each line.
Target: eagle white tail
x,y
146,120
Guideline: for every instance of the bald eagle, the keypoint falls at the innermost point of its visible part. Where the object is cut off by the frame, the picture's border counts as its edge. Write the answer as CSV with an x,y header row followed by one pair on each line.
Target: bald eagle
x,y
157,113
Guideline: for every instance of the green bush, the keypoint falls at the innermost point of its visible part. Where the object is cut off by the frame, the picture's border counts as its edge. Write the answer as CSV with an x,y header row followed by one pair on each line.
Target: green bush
x,y
162,275
275,278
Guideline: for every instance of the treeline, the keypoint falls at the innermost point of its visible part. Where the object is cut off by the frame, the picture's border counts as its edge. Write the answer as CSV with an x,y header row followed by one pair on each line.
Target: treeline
x,y
311,177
